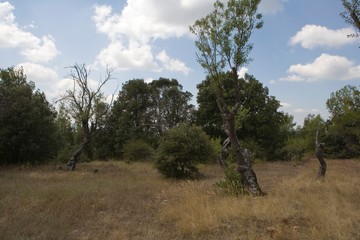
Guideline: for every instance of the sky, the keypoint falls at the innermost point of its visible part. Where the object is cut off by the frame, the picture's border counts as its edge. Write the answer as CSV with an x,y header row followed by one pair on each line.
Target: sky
x,y
304,52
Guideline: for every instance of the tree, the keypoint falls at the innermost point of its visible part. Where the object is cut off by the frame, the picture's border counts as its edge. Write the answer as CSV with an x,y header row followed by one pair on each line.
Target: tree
x,y
27,128
261,126
145,111
65,133
319,152
181,149
352,12
344,130
86,106
170,104
130,117
223,44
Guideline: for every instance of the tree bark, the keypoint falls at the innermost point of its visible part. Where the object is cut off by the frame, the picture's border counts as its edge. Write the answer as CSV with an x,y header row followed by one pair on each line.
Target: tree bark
x,y
319,152
76,154
242,157
224,154
248,176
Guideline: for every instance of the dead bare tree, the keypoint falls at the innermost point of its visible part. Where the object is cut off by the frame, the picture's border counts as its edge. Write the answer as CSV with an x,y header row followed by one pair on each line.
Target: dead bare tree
x,y
319,152
86,106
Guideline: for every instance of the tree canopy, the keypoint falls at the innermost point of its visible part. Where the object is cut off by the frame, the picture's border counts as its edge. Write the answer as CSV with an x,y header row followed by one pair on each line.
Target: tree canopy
x,y
27,127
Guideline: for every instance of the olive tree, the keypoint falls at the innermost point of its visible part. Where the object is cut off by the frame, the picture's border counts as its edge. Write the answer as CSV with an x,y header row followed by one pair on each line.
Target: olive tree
x,y
223,48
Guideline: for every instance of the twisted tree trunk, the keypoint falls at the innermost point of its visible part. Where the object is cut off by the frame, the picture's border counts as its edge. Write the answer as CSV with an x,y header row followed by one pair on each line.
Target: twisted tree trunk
x,y
243,159
319,152
241,156
76,154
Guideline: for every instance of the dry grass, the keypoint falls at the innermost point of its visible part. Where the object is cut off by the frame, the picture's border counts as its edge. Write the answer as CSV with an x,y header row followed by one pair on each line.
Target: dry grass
x,y
132,201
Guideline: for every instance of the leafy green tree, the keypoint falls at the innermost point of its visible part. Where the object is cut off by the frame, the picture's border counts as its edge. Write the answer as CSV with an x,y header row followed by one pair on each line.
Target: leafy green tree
x,y
145,111
262,127
27,127
138,150
181,149
352,12
344,130
169,103
223,43
65,133
130,117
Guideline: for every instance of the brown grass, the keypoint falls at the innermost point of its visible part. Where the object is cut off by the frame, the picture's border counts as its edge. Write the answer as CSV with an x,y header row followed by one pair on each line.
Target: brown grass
x,y
132,201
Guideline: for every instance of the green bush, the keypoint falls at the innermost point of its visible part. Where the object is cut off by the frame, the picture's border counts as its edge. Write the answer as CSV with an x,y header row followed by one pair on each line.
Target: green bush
x,y
138,150
181,149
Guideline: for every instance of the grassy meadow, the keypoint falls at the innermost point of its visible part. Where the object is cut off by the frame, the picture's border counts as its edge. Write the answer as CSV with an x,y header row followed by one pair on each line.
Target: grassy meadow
x,y
132,201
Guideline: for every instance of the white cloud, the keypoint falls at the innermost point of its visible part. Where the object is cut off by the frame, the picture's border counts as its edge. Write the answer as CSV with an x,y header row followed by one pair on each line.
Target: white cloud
x,y
242,72
325,67
302,110
44,51
271,7
33,48
46,79
134,56
170,64
312,36
38,73
285,104
140,24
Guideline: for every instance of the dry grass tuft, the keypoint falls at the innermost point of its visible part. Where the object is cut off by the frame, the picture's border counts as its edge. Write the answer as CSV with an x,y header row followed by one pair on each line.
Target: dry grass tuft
x,y
132,201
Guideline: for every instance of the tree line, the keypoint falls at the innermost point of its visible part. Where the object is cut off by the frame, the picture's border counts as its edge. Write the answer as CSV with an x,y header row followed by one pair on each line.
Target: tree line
x,y
32,130
158,118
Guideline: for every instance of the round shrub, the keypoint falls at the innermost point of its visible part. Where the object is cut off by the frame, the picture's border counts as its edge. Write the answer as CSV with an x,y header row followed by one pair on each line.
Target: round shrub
x,y
181,149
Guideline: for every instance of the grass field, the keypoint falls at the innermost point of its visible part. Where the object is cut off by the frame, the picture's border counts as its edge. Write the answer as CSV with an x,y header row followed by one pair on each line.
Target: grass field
x,y
132,201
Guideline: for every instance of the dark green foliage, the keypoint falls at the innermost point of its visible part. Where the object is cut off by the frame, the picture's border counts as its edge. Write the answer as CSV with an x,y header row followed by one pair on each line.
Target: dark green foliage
x,y
301,141
144,111
138,150
261,127
65,134
27,127
343,136
181,149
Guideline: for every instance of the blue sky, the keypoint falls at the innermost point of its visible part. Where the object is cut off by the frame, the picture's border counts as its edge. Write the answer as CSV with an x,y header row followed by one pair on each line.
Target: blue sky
x,y
302,54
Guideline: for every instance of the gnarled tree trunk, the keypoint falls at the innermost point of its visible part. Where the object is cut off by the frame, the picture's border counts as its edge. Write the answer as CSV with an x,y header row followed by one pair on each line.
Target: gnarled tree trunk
x,y
76,154
241,156
319,152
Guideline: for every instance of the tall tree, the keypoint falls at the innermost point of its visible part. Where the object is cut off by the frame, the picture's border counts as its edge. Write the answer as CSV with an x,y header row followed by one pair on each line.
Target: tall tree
x,y
86,106
145,110
260,124
27,128
170,104
65,133
344,130
223,44
352,12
